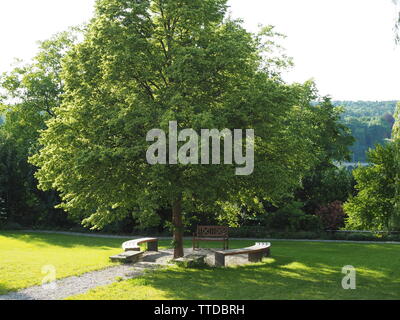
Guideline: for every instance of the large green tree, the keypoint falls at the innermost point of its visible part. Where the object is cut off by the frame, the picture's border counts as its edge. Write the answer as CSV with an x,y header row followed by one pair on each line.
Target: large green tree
x,y
145,63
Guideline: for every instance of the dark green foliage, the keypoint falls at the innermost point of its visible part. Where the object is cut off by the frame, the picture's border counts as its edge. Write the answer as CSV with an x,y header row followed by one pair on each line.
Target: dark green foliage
x,y
16,183
289,218
20,201
325,185
31,93
3,213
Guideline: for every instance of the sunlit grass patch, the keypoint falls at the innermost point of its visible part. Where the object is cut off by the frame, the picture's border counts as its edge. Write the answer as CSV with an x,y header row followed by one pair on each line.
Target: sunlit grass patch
x,y
22,257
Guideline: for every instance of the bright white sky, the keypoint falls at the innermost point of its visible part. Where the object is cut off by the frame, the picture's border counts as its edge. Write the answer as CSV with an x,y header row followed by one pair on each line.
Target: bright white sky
x,y
347,46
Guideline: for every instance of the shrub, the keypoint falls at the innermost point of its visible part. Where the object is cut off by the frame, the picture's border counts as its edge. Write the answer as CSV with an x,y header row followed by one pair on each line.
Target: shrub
x,y
291,218
393,237
12,226
362,237
332,215
309,222
304,235
249,232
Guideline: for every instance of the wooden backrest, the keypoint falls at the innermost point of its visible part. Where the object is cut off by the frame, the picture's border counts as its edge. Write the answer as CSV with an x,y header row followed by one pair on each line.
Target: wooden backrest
x,y
212,231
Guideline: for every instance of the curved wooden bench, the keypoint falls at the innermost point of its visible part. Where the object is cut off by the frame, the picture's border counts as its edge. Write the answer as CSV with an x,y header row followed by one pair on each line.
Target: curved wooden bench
x,y
134,245
256,253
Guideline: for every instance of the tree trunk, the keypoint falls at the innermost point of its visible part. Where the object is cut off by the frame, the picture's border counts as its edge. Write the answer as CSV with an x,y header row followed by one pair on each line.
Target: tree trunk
x,y
178,228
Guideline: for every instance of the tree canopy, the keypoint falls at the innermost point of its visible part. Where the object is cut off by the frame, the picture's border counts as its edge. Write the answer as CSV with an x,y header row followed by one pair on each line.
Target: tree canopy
x,y
143,64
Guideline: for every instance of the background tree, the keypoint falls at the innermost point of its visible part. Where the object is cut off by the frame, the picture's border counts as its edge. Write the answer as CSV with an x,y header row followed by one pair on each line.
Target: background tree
x,y
373,208
325,186
325,183
143,64
376,205
30,93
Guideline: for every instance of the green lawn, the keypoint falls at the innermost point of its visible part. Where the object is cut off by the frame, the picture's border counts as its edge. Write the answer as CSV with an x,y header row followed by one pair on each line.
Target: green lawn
x,y
22,257
296,270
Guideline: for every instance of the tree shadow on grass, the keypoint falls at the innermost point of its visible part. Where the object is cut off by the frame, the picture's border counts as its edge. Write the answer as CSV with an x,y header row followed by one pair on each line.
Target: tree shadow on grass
x,y
64,241
4,289
9,293
254,282
309,275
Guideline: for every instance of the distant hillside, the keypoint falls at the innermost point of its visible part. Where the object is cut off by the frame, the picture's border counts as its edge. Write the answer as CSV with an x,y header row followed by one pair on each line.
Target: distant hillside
x,y
371,123
367,108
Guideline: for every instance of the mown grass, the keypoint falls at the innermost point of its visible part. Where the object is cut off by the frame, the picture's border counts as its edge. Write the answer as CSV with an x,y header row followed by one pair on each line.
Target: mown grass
x,y
22,257
296,270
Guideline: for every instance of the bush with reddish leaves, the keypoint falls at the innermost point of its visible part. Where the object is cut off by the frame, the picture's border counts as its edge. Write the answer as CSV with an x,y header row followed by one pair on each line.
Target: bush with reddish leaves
x,y
332,215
